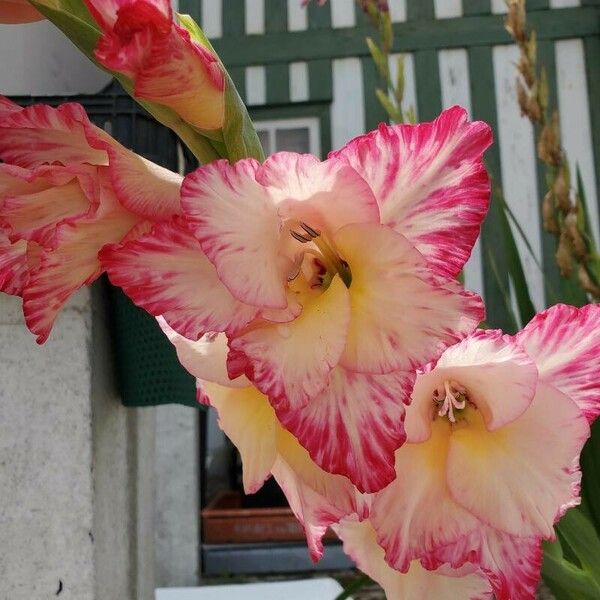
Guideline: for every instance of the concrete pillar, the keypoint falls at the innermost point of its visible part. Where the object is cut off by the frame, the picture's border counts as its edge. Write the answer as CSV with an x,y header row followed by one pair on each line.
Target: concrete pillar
x,y
177,483
76,467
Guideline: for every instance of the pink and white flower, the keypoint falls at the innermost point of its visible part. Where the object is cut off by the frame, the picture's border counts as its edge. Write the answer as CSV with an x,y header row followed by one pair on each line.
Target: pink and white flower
x,y
67,189
417,583
325,278
140,40
318,499
494,433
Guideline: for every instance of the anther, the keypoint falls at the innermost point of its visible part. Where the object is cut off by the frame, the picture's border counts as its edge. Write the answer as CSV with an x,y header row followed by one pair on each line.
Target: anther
x,y
312,232
298,236
455,399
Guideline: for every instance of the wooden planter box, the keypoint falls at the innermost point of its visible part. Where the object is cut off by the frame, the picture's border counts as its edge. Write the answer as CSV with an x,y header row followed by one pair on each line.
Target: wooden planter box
x,y
225,521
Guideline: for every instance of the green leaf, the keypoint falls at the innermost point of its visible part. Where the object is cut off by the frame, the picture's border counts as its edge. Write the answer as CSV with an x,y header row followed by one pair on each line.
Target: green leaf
x,y
583,218
505,293
356,585
388,106
515,266
590,465
379,59
565,580
579,533
400,81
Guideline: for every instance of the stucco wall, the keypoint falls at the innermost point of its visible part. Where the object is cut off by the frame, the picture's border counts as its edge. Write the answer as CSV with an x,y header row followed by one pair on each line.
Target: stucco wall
x,y
46,506
37,59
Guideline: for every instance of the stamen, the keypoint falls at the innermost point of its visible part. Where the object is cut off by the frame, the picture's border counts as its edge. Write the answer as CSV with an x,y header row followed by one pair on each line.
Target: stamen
x,y
455,399
327,253
313,233
298,236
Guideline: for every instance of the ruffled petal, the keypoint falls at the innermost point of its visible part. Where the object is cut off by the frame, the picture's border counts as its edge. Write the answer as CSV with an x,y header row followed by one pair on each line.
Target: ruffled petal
x,y
206,358
416,513
41,134
360,543
290,362
70,264
564,343
318,499
354,426
402,317
13,266
8,106
248,420
191,82
512,564
106,12
38,200
166,273
18,11
499,379
327,195
430,182
237,224
521,477
142,186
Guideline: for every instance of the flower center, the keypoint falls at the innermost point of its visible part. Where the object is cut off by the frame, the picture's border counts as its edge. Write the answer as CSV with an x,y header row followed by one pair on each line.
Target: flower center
x,y
451,398
324,250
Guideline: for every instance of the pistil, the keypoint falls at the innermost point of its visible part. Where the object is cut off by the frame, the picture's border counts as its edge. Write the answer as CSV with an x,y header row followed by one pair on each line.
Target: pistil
x,y
455,398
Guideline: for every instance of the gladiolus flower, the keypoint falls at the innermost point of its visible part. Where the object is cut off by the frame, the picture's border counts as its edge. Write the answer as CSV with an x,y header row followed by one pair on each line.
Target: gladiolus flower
x,y
418,583
494,433
18,11
140,40
317,498
67,189
326,277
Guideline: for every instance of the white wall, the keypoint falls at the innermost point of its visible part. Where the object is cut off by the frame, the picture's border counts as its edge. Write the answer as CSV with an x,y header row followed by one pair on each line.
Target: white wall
x,y
37,59
46,506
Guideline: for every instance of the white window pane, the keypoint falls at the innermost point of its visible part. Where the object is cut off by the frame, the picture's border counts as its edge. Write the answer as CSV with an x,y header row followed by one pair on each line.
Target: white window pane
x,y
263,136
293,140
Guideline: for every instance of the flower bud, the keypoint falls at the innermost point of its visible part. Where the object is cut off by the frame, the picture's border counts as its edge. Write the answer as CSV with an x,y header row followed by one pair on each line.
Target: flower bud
x,y
585,281
165,65
563,255
561,192
577,241
548,217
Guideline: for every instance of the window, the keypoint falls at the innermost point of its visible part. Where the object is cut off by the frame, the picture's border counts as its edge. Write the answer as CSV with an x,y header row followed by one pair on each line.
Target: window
x,y
296,135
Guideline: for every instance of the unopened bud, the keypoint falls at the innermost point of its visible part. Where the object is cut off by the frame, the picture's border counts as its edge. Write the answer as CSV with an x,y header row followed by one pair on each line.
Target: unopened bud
x,y
561,192
549,143
585,281
522,97
525,67
548,217
563,255
577,242
533,109
515,20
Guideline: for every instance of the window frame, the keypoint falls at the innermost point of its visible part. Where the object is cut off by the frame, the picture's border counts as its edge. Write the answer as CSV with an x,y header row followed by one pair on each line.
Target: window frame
x,y
272,126
297,112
